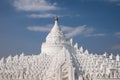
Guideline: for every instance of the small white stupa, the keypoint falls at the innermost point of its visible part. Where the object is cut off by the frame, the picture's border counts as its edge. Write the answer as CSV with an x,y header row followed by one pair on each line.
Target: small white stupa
x,y
60,60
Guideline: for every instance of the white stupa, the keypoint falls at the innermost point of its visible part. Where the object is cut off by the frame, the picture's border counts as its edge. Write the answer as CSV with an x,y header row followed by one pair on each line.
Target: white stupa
x,y
60,60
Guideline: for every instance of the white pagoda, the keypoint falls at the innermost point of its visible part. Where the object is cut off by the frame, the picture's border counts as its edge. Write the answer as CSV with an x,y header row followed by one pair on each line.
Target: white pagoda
x,y
60,60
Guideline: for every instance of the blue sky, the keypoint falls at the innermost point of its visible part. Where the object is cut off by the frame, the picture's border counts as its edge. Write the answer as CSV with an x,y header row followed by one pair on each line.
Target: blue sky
x,y
94,24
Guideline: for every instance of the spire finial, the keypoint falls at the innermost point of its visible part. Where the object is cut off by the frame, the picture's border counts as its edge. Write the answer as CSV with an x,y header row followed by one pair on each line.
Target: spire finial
x,y
56,18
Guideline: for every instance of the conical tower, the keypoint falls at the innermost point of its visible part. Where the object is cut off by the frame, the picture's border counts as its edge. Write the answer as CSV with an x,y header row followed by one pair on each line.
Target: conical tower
x,y
56,35
55,40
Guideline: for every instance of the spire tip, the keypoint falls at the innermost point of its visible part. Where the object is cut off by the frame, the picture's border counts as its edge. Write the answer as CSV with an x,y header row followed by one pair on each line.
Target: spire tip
x,y
56,18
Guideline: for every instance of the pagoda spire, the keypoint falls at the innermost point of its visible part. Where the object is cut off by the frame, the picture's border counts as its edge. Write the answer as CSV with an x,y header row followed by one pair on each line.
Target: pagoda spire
x,y
55,40
56,28
56,18
56,35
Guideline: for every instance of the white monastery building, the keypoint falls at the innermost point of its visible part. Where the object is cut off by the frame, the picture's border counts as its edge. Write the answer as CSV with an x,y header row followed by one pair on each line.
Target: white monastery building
x,y
60,60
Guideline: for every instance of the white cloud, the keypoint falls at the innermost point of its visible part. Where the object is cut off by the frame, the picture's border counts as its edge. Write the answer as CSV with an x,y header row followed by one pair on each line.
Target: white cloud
x,y
113,0
39,28
117,34
34,5
46,15
96,35
117,2
76,31
116,47
66,28
69,31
